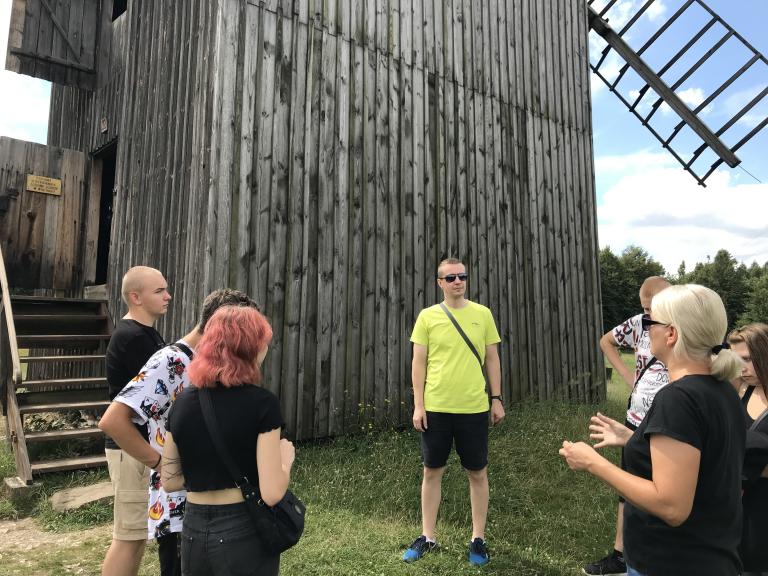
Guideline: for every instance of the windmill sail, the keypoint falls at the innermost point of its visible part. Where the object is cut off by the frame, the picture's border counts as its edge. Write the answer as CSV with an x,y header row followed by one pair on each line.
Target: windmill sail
x,y
711,76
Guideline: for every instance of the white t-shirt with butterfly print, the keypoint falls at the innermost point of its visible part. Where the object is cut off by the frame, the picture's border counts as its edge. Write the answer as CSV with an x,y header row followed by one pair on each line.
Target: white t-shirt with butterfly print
x,y
150,395
630,334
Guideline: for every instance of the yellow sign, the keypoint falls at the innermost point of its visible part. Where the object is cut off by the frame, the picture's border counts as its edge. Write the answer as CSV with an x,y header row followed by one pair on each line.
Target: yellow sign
x,y
43,184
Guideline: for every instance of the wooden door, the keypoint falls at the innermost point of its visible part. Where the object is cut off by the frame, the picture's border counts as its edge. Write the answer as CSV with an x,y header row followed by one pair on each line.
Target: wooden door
x,y
42,206
64,41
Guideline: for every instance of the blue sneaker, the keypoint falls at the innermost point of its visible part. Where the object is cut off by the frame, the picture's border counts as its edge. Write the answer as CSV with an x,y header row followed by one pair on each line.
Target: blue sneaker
x,y
478,552
419,547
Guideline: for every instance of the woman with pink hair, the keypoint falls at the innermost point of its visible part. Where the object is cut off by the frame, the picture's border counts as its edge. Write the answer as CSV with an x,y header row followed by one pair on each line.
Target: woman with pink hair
x,y
218,535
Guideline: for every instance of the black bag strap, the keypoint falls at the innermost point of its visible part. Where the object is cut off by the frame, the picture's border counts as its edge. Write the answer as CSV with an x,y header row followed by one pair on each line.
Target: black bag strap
x,y
214,431
184,348
463,335
651,362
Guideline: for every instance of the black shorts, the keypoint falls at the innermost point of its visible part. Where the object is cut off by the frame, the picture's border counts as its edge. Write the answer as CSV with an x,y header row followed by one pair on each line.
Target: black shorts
x,y
470,431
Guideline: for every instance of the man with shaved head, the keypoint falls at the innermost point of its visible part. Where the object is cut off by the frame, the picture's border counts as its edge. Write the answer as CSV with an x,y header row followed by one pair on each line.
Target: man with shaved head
x,y
146,400
133,341
650,376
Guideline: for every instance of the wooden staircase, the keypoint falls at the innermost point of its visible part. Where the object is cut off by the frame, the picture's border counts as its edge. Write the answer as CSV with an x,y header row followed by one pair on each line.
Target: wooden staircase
x,y
52,363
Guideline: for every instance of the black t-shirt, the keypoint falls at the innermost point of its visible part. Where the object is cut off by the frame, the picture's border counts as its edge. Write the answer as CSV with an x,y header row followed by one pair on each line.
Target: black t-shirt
x,y
131,345
705,413
243,412
754,552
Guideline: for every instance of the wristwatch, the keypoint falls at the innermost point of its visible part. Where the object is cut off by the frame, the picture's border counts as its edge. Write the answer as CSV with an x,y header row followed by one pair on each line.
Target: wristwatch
x,y
499,398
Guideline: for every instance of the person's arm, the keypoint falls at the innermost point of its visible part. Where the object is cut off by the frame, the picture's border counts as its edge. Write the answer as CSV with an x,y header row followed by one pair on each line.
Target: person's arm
x,y
493,370
170,474
611,350
418,378
117,424
668,495
274,459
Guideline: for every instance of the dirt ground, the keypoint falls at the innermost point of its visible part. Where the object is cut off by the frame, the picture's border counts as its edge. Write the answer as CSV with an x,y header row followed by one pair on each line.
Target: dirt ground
x,y
27,550
25,534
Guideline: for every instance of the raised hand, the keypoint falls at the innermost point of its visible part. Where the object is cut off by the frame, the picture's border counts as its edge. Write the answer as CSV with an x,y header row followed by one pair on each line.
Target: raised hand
x,y
608,432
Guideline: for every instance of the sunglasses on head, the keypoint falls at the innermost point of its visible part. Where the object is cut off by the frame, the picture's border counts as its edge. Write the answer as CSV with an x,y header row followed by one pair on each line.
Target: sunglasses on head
x,y
647,323
451,278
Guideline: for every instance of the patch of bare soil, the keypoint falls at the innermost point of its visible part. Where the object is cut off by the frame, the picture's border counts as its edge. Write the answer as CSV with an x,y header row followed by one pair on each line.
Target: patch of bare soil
x,y
25,534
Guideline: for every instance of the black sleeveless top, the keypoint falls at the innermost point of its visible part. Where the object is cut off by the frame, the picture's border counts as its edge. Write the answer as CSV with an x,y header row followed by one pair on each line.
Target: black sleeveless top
x,y
744,402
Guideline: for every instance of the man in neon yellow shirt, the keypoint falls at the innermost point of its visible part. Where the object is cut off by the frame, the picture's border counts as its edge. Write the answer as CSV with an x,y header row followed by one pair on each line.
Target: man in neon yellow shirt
x,y
451,402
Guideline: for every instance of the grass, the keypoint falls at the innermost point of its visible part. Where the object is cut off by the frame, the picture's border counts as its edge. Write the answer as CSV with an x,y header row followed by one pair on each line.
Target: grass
x,y
362,495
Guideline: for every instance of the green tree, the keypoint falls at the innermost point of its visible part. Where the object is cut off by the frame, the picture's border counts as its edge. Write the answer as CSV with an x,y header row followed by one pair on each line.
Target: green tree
x,y
756,309
728,278
620,280
613,288
638,265
755,271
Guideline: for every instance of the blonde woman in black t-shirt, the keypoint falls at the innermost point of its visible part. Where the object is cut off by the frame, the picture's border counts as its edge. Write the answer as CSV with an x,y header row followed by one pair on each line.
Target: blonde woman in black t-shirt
x,y
751,345
683,481
218,535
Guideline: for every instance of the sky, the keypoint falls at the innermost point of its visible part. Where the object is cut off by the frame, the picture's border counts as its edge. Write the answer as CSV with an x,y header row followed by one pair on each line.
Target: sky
x,y
644,197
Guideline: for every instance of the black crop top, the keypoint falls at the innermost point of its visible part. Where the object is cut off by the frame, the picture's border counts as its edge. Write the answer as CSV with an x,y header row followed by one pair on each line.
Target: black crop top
x,y
243,413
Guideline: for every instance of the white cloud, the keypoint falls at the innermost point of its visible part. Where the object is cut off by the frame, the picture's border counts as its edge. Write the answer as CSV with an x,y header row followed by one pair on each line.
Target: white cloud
x,y
654,204
656,10
23,100
692,97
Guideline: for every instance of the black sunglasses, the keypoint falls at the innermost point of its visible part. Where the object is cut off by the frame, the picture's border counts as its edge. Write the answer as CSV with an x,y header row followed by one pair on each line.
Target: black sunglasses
x,y
647,323
451,278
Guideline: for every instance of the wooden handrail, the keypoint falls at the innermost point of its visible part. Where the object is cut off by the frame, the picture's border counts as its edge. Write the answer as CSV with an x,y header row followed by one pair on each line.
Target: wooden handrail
x,y
6,307
15,424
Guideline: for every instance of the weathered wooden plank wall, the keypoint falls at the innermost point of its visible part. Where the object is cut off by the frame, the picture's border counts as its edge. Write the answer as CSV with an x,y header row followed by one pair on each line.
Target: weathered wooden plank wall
x,y
420,129
325,155
40,234
75,115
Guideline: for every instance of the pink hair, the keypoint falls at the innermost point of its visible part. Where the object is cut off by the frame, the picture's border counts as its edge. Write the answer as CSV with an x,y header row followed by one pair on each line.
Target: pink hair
x,y
226,354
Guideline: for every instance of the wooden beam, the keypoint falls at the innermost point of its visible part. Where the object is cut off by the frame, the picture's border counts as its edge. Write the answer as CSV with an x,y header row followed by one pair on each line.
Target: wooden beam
x,y
670,97
51,59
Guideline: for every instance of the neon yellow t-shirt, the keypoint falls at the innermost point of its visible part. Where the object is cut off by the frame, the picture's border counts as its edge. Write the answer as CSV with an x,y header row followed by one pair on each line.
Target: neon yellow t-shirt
x,y
455,381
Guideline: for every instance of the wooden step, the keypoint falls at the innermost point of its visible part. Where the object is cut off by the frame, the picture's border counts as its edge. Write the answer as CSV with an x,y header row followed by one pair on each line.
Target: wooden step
x,y
35,308
50,359
92,382
58,340
51,435
60,324
63,406
58,317
54,300
45,466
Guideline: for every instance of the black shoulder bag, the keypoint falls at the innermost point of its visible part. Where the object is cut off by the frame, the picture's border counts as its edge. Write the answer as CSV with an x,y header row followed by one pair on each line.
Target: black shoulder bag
x,y
279,526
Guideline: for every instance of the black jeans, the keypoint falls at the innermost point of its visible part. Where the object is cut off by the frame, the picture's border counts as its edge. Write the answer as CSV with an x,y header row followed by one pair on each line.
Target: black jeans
x,y
221,541
168,551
